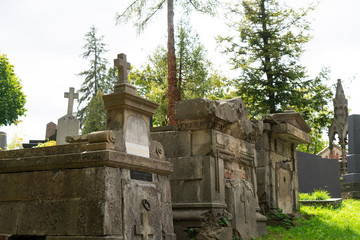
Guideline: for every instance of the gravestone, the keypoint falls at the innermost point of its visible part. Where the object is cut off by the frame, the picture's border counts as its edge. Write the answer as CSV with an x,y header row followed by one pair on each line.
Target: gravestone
x,y
68,125
351,181
50,131
315,173
96,187
3,142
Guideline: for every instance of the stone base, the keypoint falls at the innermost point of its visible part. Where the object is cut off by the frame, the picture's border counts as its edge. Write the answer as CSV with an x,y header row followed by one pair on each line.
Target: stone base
x,y
350,190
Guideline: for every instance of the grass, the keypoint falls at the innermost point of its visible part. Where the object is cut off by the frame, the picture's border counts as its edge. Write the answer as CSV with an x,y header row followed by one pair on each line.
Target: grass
x,y
316,195
325,223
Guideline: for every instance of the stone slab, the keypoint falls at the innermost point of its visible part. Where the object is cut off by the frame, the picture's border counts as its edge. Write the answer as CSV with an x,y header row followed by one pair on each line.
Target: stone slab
x,y
187,168
67,126
354,134
335,202
3,143
351,178
353,163
176,143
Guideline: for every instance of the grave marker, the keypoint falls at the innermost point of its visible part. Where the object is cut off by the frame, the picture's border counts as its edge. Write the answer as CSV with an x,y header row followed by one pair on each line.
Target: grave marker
x,y
3,143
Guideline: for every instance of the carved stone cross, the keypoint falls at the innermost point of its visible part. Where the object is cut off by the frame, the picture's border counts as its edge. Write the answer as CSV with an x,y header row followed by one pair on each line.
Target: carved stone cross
x,y
123,66
145,229
71,95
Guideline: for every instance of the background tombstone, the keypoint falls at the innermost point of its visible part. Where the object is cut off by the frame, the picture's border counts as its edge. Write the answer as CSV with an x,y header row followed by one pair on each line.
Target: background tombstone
x,y
3,143
315,172
351,181
68,125
50,131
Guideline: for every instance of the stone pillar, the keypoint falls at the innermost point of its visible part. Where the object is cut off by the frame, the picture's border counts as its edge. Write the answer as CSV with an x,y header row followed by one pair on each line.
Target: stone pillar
x,y
351,181
3,143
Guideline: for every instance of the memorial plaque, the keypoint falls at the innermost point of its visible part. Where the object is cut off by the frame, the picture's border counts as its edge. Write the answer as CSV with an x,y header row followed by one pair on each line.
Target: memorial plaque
x,y
136,137
143,176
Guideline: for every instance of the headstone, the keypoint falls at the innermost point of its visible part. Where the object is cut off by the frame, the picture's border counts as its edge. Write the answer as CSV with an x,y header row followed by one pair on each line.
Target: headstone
x,y
50,131
351,181
68,125
315,173
3,142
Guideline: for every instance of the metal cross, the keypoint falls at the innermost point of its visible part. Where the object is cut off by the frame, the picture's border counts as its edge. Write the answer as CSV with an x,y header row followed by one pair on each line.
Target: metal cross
x,y
145,229
71,95
123,66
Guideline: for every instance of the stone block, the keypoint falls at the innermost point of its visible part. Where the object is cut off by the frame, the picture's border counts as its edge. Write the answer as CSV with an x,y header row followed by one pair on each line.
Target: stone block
x,y
201,142
67,126
354,134
353,163
351,178
187,168
176,143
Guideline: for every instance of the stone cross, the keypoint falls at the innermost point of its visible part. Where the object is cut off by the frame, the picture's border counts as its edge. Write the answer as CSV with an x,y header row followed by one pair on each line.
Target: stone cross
x,y
145,229
71,95
123,66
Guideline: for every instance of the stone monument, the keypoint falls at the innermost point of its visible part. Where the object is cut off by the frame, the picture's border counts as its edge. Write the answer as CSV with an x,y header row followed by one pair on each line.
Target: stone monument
x,y
68,125
351,181
50,131
214,183
339,125
3,142
111,184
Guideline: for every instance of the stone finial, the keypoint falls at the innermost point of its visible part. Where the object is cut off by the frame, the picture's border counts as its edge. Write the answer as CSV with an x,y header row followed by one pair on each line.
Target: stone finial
x,y
71,95
123,66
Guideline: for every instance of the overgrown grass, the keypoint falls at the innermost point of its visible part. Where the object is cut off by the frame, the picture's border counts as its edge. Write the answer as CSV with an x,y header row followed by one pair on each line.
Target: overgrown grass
x,y
316,195
326,223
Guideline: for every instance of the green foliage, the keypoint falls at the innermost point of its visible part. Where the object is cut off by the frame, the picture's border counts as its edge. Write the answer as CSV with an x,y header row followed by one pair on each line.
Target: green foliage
x,y
267,48
98,76
12,99
316,195
195,74
95,115
48,143
341,223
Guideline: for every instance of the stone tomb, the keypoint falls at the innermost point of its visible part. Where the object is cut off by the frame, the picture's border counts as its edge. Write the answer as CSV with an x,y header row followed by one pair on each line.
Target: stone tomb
x,y
276,171
3,142
94,188
214,183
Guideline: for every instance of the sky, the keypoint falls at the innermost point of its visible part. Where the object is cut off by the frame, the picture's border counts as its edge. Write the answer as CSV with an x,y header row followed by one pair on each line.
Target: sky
x,y
43,39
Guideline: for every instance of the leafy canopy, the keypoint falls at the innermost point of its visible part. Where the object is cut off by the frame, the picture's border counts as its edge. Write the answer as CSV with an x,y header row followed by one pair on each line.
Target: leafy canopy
x,y
12,99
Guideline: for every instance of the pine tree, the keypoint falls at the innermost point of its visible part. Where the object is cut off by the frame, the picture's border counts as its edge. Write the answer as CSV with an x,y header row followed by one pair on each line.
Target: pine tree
x,y
96,77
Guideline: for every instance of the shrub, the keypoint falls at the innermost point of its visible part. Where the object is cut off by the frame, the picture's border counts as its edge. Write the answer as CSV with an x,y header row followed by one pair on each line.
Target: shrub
x,y
316,195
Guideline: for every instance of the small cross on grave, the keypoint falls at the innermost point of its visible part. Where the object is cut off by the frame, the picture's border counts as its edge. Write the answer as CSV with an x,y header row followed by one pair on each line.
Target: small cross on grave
x,y
145,229
71,95
123,66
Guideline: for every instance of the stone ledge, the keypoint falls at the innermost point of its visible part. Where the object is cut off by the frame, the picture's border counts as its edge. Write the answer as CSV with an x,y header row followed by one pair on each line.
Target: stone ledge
x,y
291,133
108,158
335,202
83,238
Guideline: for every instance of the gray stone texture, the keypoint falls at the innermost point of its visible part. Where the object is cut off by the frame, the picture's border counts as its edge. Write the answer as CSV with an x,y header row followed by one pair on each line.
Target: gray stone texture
x,y
353,163
67,126
315,172
354,134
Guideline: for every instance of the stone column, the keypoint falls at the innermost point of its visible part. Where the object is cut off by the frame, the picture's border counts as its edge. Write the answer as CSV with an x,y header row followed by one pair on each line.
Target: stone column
x,y
351,181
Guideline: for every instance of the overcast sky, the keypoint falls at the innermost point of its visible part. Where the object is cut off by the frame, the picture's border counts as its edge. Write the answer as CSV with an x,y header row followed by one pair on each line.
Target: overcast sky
x,y
43,39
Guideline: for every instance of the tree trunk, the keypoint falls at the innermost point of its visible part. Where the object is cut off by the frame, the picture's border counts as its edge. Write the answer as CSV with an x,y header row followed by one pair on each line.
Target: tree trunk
x,y
173,94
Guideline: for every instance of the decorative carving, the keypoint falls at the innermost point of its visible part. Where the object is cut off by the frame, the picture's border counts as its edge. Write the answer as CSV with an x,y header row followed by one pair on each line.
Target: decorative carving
x,y
339,123
157,150
145,229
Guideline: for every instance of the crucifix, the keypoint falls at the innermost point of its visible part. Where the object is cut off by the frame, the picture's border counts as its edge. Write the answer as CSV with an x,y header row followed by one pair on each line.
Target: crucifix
x,y
123,66
71,95
145,229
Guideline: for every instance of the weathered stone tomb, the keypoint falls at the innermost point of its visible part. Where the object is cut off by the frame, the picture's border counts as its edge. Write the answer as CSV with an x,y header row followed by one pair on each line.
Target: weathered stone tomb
x,y
106,185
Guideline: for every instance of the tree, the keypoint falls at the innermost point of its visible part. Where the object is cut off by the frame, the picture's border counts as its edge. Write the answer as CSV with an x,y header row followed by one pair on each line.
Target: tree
x,y
194,72
96,76
267,48
12,99
143,12
95,115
